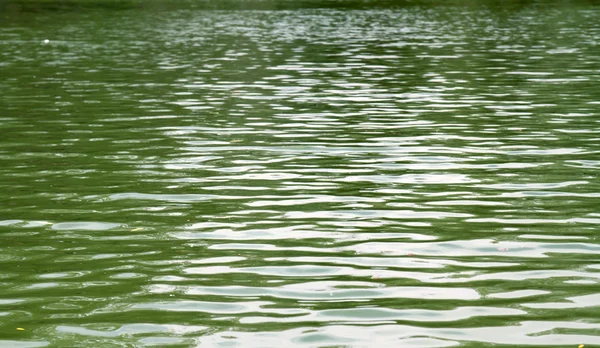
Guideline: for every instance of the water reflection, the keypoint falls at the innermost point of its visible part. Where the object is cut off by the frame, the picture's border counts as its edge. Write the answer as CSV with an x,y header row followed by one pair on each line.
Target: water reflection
x,y
422,176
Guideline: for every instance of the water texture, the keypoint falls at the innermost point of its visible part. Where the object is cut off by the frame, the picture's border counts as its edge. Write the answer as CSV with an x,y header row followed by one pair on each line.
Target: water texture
x,y
395,176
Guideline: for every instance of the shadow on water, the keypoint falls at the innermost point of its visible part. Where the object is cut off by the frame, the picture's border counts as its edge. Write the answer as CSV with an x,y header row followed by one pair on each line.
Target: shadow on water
x,y
8,6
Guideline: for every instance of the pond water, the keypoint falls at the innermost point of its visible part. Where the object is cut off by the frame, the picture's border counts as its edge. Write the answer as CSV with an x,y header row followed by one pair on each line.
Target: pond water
x,y
269,175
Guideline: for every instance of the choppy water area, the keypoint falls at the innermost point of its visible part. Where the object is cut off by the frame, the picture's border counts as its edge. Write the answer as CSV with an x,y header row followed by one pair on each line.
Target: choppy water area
x,y
421,176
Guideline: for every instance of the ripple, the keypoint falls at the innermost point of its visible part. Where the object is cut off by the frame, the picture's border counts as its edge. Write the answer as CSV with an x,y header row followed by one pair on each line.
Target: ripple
x,y
337,174
84,226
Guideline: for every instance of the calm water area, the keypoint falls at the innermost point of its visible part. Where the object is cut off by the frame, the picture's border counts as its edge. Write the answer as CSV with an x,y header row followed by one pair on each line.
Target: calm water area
x,y
309,174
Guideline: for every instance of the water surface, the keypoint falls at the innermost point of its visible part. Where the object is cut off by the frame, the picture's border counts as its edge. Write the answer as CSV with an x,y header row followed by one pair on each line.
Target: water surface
x,y
384,176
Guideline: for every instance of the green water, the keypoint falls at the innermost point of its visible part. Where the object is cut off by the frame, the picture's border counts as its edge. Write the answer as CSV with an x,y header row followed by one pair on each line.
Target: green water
x,y
308,174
